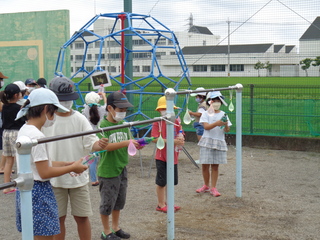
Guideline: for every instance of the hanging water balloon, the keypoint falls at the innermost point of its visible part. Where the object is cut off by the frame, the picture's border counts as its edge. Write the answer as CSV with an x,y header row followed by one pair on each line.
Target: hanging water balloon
x,y
231,107
160,142
187,118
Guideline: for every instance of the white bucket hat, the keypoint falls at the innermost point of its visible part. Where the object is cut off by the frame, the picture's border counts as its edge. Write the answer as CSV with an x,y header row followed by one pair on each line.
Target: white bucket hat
x,y
216,94
21,85
199,93
38,97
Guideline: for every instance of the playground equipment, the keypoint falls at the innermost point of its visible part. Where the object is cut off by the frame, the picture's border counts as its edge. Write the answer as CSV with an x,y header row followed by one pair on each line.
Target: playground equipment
x,y
153,41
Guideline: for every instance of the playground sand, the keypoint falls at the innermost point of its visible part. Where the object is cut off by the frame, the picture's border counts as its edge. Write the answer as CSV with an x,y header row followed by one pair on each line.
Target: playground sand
x,y
280,200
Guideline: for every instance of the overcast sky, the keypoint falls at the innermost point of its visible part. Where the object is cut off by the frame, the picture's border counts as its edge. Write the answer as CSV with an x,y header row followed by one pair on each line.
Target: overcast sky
x,y
251,21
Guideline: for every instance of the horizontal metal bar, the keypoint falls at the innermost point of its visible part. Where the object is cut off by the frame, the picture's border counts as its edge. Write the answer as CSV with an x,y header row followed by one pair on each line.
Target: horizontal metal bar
x,y
7,185
208,90
124,125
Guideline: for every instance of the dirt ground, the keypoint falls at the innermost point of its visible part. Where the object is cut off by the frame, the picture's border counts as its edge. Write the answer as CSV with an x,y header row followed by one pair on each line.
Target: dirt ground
x,y
280,200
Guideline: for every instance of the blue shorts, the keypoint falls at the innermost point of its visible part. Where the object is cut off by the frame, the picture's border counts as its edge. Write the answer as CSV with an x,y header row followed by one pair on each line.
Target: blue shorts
x,y
44,209
199,128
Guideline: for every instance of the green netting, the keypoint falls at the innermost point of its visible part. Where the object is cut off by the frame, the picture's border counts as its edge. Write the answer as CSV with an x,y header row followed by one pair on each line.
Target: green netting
x,y
267,110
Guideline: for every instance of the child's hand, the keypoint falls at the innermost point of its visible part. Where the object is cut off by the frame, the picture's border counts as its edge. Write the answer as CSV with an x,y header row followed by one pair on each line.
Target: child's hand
x,y
78,167
136,144
179,141
103,143
221,123
102,93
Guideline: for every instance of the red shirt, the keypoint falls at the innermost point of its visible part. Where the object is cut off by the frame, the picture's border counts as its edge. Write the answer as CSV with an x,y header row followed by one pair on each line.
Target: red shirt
x,y
155,132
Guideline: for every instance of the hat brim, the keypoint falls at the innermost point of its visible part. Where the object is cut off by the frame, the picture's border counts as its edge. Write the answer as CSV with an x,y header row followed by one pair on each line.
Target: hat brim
x,y
165,107
68,97
123,105
196,94
223,101
61,108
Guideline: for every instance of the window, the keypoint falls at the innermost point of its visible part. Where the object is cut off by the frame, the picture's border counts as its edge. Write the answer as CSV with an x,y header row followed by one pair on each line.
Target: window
x,y
79,45
136,69
159,54
112,44
200,68
71,57
142,55
89,69
140,42
172,53
97,56
71,69
112,69
218,68
78,68
97,44
236,68
89,56
113,55
145,68
79,57
161,41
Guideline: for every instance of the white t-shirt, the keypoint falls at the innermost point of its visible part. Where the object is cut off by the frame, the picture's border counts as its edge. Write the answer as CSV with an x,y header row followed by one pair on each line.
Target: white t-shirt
x,y
71,149
217,132
38,152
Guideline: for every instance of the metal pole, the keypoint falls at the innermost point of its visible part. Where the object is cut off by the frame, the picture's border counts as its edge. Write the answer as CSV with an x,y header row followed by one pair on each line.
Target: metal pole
x,y
228,47
170,94
239,140
25,184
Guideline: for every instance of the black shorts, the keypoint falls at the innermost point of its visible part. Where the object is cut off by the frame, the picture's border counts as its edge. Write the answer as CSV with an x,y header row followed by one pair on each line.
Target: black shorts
x,y
161,178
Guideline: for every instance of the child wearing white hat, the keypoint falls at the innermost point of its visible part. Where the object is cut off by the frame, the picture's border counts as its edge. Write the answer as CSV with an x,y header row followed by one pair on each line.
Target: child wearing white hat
x,y
40,111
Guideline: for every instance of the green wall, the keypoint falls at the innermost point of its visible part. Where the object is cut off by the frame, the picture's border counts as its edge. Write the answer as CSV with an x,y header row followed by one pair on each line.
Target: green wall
x,y
30,43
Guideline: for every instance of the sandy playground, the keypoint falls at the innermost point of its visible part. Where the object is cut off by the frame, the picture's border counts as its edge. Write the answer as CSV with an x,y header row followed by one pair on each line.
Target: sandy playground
x,y
280,200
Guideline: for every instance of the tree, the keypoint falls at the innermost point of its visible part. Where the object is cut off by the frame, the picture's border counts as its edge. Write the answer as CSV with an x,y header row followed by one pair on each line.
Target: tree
x,y
305,64
316,63
268,67
259,65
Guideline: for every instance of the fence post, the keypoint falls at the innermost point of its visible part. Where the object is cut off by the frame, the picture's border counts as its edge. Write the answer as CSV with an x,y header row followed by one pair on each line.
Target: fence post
x,y
251,110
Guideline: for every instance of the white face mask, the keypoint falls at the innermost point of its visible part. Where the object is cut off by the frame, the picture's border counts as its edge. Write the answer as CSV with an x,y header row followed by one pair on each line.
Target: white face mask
x,y
198,100
119,116
163,113
48,122
66,104
216,105
30,89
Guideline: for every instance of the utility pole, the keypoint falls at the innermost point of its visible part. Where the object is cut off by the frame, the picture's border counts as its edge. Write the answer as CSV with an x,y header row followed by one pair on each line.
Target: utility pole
x,y
127,7
228,47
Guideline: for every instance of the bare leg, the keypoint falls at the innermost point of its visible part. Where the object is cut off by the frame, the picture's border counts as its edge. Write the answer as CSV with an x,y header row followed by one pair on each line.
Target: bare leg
x,y
115,220
105,224
161,194
2,163
214,174
7,171
84,227
43,237
206,173
62,233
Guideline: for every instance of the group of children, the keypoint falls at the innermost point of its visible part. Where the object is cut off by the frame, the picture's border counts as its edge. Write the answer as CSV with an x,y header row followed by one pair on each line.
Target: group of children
x,y
48,112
